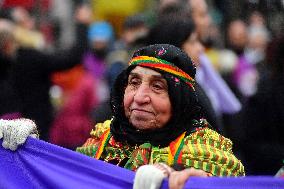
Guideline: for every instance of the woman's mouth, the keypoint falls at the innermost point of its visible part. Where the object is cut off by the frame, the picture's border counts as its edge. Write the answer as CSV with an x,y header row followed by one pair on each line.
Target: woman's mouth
x,y
141,112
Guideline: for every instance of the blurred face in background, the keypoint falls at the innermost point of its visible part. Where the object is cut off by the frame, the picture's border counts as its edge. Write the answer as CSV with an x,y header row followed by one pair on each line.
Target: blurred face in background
x,y
146,100
131,35
201,18
193,47
100,48
237,36
23,18
257,19
8,44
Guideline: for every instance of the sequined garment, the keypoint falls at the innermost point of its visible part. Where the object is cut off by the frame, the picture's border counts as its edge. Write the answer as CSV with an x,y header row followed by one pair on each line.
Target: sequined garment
x,y
202,149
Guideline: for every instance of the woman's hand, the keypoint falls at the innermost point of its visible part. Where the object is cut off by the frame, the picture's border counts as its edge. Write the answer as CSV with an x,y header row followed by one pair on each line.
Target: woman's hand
x,y
177,179
151,176
15,132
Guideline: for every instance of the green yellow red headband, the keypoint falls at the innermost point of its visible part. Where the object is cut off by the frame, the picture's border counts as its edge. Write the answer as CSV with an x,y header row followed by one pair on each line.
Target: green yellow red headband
x,y
152,62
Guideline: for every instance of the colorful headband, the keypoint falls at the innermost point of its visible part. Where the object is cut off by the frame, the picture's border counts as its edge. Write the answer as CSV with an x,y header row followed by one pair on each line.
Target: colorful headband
x,y
164,65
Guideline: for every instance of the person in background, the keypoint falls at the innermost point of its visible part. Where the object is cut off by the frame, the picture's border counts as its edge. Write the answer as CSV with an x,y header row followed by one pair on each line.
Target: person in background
x,y
72,123
263,117
100,38
254,52
9,101
116,62
156,121
219,94
31,71
223,99
134,32
181,33
25,31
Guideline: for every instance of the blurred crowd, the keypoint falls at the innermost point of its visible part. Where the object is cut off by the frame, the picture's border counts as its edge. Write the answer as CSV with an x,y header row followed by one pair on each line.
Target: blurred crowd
x,y
59,60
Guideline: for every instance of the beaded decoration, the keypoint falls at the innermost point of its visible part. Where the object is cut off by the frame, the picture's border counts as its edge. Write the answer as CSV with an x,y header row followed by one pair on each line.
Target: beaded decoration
x,y
152,62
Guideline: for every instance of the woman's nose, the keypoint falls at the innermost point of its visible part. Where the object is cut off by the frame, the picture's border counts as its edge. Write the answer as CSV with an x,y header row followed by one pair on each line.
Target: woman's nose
x,y
142,94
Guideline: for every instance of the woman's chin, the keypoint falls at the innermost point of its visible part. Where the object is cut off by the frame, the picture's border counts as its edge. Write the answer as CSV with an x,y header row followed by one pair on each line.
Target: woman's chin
x,y
143,125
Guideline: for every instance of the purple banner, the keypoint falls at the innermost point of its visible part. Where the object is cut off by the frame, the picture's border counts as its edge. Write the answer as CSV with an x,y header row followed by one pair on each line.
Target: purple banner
x,y
38,164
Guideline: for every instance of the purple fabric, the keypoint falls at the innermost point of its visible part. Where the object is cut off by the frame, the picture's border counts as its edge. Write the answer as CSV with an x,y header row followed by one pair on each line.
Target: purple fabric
x,y
221,96
94,65
242,66
38,164
245,77
252,182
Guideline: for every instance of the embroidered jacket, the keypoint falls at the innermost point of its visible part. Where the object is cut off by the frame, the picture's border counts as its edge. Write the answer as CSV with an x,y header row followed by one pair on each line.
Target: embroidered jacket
x,y
203,149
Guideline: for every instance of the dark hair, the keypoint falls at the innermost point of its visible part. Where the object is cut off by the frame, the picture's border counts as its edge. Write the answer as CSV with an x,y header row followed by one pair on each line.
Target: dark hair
x,y
173,11
184,109
174,32
275,57
134,21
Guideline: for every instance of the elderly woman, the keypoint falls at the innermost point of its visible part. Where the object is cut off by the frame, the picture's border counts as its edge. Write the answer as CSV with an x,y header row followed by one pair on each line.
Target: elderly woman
x,y
157,119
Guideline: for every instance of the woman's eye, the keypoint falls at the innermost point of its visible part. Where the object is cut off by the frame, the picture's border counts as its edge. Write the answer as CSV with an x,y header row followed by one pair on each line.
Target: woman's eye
x,y
133,82
158,86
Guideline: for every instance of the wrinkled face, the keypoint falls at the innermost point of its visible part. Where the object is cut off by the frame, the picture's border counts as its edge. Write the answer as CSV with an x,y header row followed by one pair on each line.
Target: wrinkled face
x,y
146,100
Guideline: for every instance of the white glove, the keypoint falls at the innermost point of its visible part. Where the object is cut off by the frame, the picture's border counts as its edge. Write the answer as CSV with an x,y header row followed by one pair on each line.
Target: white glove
x,y
15,132
151,176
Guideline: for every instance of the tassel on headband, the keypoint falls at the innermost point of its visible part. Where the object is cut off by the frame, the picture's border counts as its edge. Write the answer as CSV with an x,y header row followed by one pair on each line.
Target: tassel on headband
x,y
164,65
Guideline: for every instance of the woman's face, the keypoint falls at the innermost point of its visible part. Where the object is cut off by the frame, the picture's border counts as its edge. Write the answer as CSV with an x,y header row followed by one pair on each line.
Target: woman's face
x,y
146,100
193,48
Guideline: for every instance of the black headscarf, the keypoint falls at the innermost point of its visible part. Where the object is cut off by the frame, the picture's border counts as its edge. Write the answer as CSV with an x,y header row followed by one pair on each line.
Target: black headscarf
x,y
184,109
